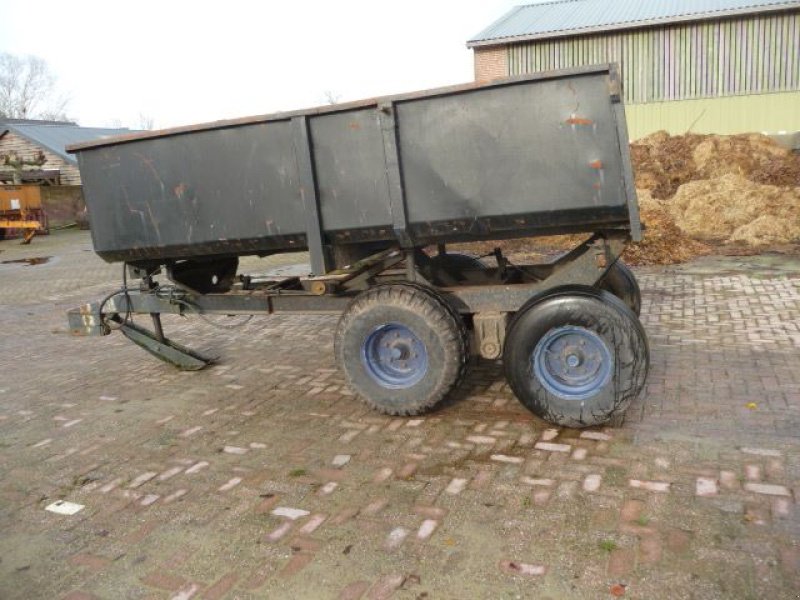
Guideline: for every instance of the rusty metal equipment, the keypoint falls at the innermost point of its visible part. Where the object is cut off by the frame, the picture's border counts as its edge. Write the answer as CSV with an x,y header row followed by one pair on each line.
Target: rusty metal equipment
x,y
370,189
21,209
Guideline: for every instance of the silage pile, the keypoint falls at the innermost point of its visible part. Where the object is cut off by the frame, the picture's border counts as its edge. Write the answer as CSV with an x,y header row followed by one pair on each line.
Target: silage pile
x,y
741,189
664,243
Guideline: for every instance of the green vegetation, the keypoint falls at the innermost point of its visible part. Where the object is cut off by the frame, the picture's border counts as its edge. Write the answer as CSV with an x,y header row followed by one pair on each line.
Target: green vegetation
x,y
608,545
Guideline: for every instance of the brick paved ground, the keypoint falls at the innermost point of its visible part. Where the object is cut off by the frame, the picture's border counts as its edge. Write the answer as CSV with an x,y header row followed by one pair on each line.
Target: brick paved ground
x,y
262,477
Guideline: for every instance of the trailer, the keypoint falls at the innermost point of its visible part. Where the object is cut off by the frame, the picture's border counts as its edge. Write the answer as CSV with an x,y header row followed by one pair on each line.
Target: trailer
x,y
376,191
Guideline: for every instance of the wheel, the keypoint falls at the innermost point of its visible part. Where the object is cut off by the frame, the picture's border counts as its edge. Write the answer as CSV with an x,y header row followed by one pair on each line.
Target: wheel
x,y
620,281
401,348
448,269
576,357
207,276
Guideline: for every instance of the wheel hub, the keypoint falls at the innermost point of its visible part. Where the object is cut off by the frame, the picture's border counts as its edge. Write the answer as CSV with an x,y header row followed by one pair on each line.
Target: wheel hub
x,y
572,362
394,356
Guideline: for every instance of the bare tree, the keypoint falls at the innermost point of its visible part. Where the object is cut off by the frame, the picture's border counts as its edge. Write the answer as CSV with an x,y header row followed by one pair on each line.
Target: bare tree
x,y
146,122
331,97
28,89
17,164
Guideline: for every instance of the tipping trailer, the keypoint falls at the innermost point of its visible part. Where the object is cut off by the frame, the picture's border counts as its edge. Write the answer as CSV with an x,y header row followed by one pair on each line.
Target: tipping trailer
x,y
369,189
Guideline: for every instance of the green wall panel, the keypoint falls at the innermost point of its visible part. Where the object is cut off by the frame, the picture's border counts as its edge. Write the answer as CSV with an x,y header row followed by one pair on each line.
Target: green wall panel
x,y
768,113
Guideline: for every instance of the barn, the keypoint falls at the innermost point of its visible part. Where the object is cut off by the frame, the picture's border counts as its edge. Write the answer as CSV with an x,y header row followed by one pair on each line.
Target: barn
x,y
706,66
32,153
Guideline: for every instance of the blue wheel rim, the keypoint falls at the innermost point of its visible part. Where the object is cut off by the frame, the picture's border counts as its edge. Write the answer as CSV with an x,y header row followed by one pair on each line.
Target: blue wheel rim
x,y
572,362
394,357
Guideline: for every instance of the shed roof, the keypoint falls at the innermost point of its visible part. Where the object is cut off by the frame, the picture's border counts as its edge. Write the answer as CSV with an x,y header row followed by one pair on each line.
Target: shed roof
x,y
574,17
56,135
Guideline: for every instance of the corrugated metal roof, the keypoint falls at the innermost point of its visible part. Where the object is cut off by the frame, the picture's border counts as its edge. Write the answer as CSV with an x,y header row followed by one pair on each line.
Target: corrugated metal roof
x,y
570,17
55,136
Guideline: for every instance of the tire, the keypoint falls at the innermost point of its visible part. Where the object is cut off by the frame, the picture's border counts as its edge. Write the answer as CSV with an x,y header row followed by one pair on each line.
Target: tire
x,y
401,348
447,269
620,281
209,276
597,331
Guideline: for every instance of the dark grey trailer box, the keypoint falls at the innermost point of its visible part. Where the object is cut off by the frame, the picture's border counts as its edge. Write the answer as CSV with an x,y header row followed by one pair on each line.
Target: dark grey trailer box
x,y
365,187
532,155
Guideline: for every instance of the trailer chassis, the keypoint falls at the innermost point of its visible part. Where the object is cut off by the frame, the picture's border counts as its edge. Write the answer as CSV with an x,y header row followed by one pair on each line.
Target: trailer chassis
x,y
487,295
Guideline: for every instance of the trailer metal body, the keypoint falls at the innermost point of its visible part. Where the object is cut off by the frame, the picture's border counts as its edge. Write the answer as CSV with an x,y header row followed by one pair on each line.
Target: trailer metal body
x,y
365,187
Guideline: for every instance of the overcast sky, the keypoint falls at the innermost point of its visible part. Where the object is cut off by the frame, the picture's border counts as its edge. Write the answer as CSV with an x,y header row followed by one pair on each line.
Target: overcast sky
x,y
182,62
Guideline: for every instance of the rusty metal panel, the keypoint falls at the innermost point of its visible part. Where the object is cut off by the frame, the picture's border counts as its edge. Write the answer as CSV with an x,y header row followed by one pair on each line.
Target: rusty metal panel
x,y
226,191
349,161
512,150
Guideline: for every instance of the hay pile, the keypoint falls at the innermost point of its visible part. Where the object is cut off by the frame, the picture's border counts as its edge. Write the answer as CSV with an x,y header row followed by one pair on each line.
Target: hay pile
x,y
662,163
725,189
731,208
664,243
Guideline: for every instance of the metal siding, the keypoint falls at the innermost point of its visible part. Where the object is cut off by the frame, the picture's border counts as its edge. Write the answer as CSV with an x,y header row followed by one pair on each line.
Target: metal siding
x,y
569,17
751,55
768,113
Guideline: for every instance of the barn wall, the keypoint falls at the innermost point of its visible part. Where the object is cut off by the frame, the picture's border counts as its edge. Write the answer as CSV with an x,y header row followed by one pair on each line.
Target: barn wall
x,y
748,55
26,149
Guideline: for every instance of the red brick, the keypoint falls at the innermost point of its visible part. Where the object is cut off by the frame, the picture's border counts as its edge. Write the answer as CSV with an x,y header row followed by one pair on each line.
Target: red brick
x,y
344,515
790,561
631,510
266,505
385,587
650,549
90,561
491,63
221,587
306,544
756,514
296,563
407,471
621,562
176,560
430,512
354,591
140,534
678,541
325,475
258,577
375,506
637,530
164,581
78,595
481,479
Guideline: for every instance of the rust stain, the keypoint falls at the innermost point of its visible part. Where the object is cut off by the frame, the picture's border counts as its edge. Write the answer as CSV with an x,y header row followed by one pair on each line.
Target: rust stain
x,y
579,121
596,164
354,125
597,186
180,190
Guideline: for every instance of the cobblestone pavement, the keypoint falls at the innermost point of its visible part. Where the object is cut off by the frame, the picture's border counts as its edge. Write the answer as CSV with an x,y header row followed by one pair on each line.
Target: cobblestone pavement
x,y
263,477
